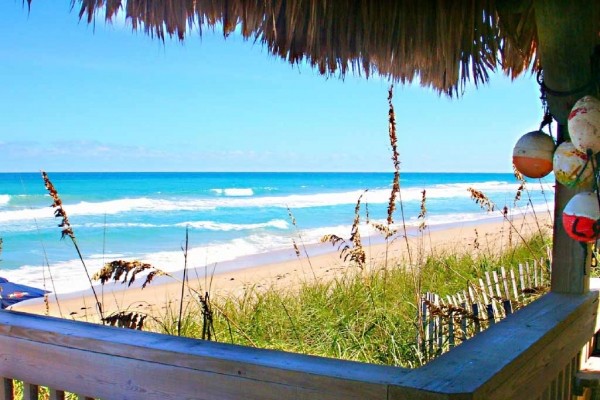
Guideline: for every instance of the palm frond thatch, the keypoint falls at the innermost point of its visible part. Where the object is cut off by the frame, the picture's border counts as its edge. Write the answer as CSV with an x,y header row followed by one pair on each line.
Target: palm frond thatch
x,y
443,44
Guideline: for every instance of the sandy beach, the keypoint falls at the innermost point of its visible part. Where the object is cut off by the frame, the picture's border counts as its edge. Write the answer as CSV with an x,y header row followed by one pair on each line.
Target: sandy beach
x,y
285,272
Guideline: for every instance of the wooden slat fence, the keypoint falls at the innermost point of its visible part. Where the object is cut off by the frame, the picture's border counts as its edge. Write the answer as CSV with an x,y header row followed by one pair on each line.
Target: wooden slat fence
x,y
445,322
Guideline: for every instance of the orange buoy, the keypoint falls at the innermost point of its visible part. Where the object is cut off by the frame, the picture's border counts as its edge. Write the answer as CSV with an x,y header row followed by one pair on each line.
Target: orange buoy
x,y
581,217
532,155
584,124
572,167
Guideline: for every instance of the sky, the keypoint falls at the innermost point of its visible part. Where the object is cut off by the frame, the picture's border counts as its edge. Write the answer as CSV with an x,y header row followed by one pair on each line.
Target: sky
x,y
100,97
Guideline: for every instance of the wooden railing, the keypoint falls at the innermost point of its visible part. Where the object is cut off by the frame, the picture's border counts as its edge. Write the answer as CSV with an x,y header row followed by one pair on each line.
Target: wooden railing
x,y
532,354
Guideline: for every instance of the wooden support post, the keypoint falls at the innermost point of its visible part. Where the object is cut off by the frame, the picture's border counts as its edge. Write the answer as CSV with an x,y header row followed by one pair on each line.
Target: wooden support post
x,y
567,34
30,391
56,394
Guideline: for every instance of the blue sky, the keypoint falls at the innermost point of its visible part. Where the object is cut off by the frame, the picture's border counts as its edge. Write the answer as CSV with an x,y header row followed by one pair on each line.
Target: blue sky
x,y
74,97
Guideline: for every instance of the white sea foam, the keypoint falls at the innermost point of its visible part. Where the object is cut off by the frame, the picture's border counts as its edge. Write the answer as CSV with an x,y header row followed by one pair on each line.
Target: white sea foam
x,y
109,225
377,196
223,226
4,199
234,192
69,276
111,207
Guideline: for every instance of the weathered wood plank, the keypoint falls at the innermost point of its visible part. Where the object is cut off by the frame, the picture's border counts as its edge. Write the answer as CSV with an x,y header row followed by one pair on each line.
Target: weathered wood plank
x,y
504,283
497,284
553,389
111,359
493,302
439,325
430,329
522,278
451,339
475,310
543,280
422,331
528,279
513,280
560,381
507,304
108,377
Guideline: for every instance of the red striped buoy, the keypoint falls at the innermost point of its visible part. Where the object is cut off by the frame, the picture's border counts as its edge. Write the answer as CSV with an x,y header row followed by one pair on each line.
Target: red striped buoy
x,y
584,124
532,155
581,217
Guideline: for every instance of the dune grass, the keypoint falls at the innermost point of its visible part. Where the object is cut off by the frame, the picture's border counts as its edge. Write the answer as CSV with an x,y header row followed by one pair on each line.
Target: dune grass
x,y
369,317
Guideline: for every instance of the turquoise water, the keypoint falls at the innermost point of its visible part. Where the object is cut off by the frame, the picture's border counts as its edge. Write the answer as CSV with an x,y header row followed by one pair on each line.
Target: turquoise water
x,y
229,215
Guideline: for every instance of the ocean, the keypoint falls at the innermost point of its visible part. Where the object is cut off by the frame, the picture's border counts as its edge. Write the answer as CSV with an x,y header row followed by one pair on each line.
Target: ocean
x,y
228,216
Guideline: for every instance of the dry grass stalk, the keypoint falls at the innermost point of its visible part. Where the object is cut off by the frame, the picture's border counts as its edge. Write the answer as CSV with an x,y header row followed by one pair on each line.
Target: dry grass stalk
x,y
385,230
395,158
353,251
118,269
208,329
124,319
521,187
184,280
59,212
482,200
296,248
487,204
357,253
396,182
46,304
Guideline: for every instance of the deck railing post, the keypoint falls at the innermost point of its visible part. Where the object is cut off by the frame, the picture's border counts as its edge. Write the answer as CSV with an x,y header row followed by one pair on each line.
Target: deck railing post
x,y
6,389
30,392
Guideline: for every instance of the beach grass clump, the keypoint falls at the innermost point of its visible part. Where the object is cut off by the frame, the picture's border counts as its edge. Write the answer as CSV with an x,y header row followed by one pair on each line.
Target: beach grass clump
x,y
363,316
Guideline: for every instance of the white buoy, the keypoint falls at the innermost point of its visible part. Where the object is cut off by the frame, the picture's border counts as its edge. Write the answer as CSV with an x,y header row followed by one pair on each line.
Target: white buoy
x,y
581,217
532,154
572,167
584,124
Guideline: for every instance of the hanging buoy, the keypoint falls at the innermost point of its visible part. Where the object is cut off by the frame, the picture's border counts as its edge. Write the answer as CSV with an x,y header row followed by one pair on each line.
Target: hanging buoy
x,y
571,167
581,217
532,155
584,124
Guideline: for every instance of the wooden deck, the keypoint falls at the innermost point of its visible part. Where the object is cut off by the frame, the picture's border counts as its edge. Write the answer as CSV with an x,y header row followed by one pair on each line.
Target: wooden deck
x,y
532,354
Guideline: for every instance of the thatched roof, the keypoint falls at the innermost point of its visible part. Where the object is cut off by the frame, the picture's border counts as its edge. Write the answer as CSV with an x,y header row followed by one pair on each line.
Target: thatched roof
x,y
441,43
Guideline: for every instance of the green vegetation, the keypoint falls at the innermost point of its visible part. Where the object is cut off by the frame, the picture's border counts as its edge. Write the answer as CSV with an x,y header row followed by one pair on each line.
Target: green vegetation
x,y
370,317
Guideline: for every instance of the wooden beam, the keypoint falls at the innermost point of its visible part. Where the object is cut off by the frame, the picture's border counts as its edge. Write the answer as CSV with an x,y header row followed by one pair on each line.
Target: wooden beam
x,y
567,35
106,362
